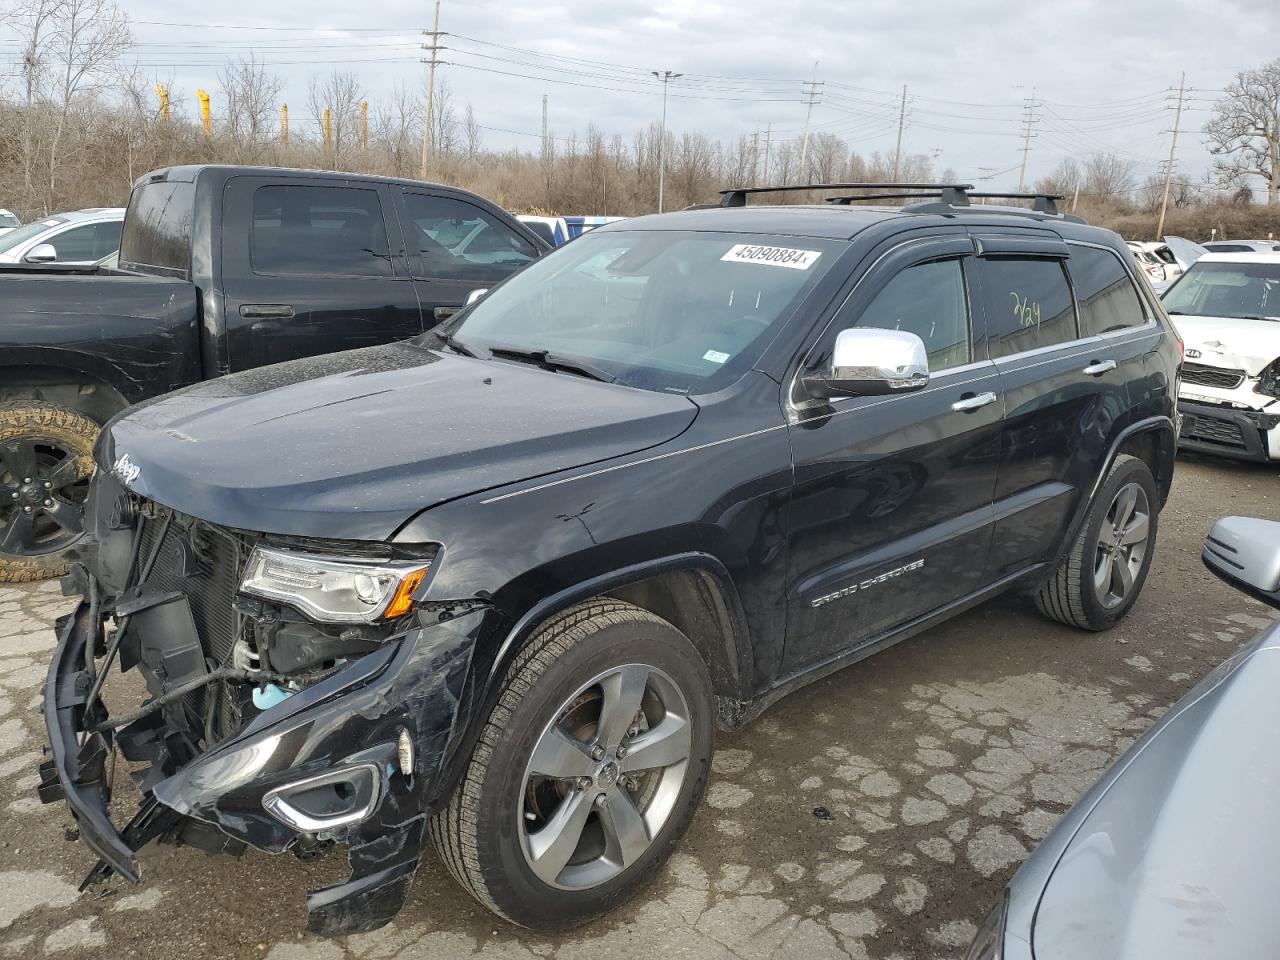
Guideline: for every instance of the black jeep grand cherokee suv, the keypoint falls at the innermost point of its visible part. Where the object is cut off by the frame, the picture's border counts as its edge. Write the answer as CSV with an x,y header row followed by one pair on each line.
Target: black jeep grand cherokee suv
x,y
497,586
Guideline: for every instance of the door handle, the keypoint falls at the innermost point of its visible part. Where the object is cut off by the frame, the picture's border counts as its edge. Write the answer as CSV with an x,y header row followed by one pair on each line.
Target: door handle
x,y
266,311
972,402
1099,367
444,313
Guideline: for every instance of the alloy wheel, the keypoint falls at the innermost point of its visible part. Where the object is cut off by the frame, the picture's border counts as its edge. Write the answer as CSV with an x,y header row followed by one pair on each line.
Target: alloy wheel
x,y
42,489
1122,545
604,777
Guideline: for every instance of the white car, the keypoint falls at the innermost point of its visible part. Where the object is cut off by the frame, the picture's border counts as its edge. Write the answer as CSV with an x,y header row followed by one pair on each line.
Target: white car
x,y
1242,246
8,221
1156,259
1226,308
80,238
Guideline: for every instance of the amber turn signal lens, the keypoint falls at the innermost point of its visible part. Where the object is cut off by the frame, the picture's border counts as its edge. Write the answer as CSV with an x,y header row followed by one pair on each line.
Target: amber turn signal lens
x,y
402,602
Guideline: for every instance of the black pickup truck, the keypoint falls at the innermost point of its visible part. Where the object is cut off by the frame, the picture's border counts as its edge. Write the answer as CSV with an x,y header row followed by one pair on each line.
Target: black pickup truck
x,y
221,269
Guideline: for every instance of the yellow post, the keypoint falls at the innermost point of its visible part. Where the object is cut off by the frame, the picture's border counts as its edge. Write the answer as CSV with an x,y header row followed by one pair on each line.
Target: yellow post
x,y
205,118
364,124
284,124
163,93
326,124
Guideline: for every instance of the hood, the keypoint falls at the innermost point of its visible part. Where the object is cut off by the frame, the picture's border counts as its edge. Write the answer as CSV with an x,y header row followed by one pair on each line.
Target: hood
x,y
352,445
1177,859
1230,342
1185,251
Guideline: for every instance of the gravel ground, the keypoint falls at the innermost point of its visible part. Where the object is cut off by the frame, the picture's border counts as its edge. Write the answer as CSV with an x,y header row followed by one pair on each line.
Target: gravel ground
x,y
941,761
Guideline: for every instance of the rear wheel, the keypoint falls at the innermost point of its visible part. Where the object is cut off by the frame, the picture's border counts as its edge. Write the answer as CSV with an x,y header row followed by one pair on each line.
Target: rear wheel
x,y
588,771
1099,580
46,457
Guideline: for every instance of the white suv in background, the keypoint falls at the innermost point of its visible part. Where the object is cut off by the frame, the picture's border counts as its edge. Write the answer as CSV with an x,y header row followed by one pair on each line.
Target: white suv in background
x,y
1156,260
80,238
8,221
1227,310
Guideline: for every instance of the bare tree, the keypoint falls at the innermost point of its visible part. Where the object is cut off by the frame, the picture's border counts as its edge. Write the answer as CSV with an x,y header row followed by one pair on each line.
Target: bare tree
x,y
340,93
1065,179
88,37
398,129
1244,133
251,96
1108,178
471,134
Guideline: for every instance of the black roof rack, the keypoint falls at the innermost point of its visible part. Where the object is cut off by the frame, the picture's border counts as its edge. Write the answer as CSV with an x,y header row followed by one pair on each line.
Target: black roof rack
x,y
951,197
737,196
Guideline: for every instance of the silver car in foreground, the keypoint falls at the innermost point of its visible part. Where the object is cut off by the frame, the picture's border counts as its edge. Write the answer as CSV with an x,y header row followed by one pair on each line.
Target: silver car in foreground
x,y
78,238
1173,853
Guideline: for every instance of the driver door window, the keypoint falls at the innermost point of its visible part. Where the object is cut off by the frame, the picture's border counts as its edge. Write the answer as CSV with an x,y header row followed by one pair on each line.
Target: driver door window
x,y
928,300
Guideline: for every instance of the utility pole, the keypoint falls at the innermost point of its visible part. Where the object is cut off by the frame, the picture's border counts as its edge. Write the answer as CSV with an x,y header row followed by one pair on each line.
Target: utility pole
x,y
755,158
1028,122
284,124
435,49
812,93
768,143
666,76
545,129
1173,147
902,122
364,126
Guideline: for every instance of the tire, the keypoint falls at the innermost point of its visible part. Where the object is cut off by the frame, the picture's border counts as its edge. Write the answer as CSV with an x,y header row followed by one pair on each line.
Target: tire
x,y
483,833
49,443
1073,595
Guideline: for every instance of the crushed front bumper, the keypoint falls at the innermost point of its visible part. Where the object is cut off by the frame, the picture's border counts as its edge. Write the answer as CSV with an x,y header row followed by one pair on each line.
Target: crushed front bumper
x,y
344,729
1229,432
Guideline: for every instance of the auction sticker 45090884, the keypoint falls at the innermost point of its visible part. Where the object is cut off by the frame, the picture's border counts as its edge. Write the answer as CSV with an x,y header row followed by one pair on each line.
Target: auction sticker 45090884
x,y
773,256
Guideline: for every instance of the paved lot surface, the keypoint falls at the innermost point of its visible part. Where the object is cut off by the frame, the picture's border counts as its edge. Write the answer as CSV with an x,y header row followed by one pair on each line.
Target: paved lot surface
x,y
942,762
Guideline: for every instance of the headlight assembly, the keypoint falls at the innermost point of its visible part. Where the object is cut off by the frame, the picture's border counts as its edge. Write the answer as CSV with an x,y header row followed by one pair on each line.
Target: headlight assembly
x,y
334,590
1269,379
989,942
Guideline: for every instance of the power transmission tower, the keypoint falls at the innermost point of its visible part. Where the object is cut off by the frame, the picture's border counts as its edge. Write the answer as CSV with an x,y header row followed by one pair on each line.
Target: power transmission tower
x,y
435,48
545,133
1173,148
902,122
811,92
1028,124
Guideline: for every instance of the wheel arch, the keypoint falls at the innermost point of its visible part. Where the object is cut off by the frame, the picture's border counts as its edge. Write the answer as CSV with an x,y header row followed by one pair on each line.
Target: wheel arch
x,y
75,389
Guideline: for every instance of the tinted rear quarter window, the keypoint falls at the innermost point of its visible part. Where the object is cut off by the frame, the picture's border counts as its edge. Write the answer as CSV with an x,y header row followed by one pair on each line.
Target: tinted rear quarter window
x,y
1107,298
318,231
1028,304
157,227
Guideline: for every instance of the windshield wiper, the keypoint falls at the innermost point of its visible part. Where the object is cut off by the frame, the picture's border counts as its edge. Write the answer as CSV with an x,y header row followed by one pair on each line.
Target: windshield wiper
x,y
450,341
552,361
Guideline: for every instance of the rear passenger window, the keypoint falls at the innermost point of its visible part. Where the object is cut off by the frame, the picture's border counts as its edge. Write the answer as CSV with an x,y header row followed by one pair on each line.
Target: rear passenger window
x,y
318,231
1028,304
927,300
1104,291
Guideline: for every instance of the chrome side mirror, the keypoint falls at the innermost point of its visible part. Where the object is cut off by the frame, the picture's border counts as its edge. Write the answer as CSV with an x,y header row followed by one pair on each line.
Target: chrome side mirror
x,y
475,295
1245,552
41,253
868,362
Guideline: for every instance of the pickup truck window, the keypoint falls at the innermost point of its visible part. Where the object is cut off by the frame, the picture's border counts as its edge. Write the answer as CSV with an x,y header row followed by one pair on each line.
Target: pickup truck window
x,y
157,227
676,311
458,241
318,231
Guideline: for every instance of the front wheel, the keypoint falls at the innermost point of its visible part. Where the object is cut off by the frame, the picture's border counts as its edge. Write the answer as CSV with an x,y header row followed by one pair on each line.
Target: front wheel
x,y
588,771
1099,579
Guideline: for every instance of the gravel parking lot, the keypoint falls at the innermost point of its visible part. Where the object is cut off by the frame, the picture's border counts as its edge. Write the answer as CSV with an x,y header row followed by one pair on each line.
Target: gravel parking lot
x,y
941,762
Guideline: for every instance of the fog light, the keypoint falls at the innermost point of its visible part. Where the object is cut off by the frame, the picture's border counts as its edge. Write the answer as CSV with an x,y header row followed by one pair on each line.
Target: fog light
x,y
405,751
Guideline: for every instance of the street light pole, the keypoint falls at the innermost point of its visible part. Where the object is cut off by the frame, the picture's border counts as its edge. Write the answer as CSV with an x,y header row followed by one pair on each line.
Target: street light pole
x,y
666,76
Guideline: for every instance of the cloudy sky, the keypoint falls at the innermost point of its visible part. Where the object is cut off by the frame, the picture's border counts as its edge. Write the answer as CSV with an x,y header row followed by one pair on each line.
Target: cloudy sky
x,y
1102,73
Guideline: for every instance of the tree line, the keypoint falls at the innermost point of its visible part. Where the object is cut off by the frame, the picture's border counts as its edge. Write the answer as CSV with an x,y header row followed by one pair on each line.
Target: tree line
x,y
79,123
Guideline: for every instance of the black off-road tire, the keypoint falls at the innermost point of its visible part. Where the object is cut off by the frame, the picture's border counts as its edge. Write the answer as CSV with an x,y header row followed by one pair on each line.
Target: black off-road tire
x,y
475,833
1069,595
75,432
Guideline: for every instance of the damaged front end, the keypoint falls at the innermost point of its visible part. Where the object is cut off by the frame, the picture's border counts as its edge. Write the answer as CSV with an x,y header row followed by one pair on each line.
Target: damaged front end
x,y
299,696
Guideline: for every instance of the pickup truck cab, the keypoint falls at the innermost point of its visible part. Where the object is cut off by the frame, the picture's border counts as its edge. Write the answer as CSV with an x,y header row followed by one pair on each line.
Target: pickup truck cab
x,y
221,269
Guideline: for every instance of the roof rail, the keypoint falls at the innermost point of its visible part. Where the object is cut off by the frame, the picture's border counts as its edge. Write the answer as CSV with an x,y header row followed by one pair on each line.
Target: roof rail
x,y
1044,204
950,192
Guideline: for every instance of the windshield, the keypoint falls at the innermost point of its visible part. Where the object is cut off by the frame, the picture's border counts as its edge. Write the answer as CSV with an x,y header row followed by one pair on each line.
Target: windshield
x,y
675,311
1244,290
15,238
